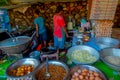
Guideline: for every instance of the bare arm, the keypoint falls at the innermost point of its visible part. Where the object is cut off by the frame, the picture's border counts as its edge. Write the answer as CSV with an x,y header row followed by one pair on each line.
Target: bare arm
x,y
66,32
36,30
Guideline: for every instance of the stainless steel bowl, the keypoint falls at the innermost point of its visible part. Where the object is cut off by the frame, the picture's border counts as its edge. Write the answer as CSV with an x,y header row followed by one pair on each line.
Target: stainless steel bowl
x,y
91,50
58,63
105,42
76,68
25,61
110,52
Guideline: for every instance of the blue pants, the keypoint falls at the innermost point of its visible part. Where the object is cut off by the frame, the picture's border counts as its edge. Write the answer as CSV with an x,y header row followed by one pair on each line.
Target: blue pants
x,y
43,36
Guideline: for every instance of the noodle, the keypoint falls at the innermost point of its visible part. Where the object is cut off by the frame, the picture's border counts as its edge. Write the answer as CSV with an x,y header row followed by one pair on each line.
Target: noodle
x,y
56,72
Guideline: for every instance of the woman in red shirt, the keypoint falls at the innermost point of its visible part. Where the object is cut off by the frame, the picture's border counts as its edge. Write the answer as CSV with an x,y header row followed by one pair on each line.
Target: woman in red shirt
x,y
59,28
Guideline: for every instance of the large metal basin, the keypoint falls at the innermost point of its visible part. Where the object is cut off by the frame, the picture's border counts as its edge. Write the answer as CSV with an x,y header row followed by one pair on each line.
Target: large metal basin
x,y
53,62
15,45
106,42
113,56
91,51
26,61
90,68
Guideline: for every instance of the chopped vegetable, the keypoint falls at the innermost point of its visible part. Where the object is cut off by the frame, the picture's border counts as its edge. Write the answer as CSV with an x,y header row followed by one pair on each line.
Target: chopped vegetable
x,y
82,56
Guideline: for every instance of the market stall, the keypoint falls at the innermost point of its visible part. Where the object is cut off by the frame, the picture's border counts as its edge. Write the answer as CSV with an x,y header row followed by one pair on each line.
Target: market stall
x,y
90,53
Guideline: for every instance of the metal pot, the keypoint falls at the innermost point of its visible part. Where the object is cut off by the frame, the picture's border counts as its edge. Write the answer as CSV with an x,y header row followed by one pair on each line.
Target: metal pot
x,y
15,45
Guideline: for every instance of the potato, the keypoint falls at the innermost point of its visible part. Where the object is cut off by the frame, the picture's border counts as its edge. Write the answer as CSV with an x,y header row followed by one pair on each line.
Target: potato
x,y
84,74
76,78
86,77
91,75
91,72
76,74
85,70
98,78
92,78
79,71
81,77
96,74
73,76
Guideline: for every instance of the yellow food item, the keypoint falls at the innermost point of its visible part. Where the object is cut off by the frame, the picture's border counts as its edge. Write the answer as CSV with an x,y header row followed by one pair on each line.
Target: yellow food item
x,y
21,71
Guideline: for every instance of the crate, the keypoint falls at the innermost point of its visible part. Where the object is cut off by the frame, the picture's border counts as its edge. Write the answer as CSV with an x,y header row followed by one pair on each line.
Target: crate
x,y
103,28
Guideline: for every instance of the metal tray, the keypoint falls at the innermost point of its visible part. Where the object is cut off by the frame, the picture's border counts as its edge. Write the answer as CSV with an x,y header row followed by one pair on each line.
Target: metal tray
x,y
75,68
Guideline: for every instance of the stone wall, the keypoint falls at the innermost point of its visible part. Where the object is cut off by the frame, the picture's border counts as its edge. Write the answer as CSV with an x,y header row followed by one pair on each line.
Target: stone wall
x,y
76,9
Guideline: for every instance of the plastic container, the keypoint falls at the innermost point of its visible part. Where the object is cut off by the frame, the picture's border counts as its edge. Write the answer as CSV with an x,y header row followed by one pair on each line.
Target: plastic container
x,y
35,54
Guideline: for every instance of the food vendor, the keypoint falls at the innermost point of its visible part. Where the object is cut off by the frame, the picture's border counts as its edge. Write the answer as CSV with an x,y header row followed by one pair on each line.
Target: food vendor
x,y
59,28
40,28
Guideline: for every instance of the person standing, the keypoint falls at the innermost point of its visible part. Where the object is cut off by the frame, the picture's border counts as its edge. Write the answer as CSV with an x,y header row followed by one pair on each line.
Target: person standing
x,y
40,28
59,29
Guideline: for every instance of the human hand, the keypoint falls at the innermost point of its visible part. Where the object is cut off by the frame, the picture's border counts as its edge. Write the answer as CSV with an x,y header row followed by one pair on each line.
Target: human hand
x,y
37,35
67,36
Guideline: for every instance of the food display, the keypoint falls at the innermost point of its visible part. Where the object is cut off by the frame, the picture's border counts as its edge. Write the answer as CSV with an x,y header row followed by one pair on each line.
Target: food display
x,y
82,56
85,74
115,60
56,72
21,70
